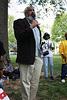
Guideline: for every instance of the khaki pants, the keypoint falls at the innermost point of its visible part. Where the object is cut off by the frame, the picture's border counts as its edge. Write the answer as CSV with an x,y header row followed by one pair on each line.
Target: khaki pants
x,y
29,77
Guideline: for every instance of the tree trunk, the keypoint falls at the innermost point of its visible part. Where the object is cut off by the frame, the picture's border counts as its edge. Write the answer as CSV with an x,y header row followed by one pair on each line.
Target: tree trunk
x,y
4,24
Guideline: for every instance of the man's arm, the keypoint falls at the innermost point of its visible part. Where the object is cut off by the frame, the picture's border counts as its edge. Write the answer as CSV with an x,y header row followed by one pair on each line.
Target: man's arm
x,y
61,51
41,45
22,29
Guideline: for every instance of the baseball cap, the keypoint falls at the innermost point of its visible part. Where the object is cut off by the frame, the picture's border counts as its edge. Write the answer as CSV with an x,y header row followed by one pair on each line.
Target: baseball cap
x,y
46,34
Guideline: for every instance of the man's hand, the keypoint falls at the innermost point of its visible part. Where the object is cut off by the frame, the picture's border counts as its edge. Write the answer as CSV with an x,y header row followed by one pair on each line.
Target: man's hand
x,y
51,47
34,24
43,43
64,57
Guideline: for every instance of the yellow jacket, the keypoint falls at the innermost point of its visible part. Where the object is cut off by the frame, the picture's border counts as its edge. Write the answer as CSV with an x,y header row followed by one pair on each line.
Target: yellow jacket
x,y
63,50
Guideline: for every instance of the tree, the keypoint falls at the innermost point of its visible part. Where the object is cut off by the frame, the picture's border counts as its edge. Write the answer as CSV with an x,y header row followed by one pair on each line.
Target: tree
x,y
59,27
4,15
57,6
11,37
3,23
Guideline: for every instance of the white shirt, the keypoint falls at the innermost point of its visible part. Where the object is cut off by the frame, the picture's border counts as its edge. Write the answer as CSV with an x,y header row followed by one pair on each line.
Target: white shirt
x,y
46,47
37,39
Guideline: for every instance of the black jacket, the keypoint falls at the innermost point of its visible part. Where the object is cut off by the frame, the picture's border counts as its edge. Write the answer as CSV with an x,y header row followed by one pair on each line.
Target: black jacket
x,y
25,42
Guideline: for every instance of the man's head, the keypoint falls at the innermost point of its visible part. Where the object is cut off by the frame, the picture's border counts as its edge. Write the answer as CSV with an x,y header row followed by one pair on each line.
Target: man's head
x,y
66,36
30,13
46,36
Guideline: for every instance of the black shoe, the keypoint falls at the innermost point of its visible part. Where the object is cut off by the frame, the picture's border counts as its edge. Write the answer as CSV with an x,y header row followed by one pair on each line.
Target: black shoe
x,y
52,77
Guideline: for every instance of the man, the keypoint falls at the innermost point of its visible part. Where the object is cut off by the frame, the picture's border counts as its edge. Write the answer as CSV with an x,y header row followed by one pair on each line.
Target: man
x,y
28,35
63,54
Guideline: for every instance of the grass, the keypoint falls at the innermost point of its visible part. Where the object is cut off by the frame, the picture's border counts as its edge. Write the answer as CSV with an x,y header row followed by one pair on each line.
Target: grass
x,y
13,60
47,90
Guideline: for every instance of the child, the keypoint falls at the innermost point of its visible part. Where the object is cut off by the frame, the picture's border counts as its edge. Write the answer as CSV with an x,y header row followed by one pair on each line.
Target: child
x,y
47,47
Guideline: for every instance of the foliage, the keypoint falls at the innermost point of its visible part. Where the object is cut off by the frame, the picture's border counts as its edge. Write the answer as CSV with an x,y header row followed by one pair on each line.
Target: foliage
x,y
13,60
59,27
58,5
11,37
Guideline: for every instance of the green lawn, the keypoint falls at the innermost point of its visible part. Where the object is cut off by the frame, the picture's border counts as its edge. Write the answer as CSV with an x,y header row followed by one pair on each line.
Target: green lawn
x,y
53,89
13,60
47,90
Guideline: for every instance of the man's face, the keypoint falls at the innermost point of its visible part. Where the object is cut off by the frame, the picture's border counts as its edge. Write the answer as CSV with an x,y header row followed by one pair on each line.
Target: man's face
x,y
47,37
30,12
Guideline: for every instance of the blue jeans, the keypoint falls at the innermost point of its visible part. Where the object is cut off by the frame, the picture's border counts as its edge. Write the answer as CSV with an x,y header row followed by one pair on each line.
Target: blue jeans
x,y
63,71
46,61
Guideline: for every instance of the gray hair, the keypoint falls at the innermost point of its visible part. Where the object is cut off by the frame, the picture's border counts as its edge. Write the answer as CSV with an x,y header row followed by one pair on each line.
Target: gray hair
x,y
26,9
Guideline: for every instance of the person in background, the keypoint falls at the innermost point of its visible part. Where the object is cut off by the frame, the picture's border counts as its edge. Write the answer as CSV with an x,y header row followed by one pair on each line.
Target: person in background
x,y
28,36
47,47
2,57
63,54
8,69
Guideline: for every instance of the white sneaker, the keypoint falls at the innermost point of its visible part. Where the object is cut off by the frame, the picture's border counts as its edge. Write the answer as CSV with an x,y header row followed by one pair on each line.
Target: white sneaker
x,y
1,81
63,80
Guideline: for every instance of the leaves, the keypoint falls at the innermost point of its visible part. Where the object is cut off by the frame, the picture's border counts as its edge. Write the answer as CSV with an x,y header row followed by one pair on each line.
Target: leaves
x,y
11,37
59,27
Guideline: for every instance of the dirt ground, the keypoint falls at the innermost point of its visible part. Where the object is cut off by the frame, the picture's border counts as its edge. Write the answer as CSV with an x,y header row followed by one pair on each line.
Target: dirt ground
x,y
13,86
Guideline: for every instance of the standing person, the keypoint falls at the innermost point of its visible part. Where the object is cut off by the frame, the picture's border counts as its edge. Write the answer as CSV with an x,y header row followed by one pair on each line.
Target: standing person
x,y
47,46
2,57
63,54
28,35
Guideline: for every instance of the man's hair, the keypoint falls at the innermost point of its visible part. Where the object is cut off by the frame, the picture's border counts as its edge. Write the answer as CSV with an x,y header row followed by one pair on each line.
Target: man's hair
x,y
26,9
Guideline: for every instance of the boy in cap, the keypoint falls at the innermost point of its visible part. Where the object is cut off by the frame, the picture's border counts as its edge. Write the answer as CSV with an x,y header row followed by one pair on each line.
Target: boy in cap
x,y
47,47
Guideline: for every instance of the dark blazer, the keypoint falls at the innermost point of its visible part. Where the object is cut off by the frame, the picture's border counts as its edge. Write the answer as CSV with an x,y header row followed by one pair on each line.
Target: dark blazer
x,y
2,50
25,42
